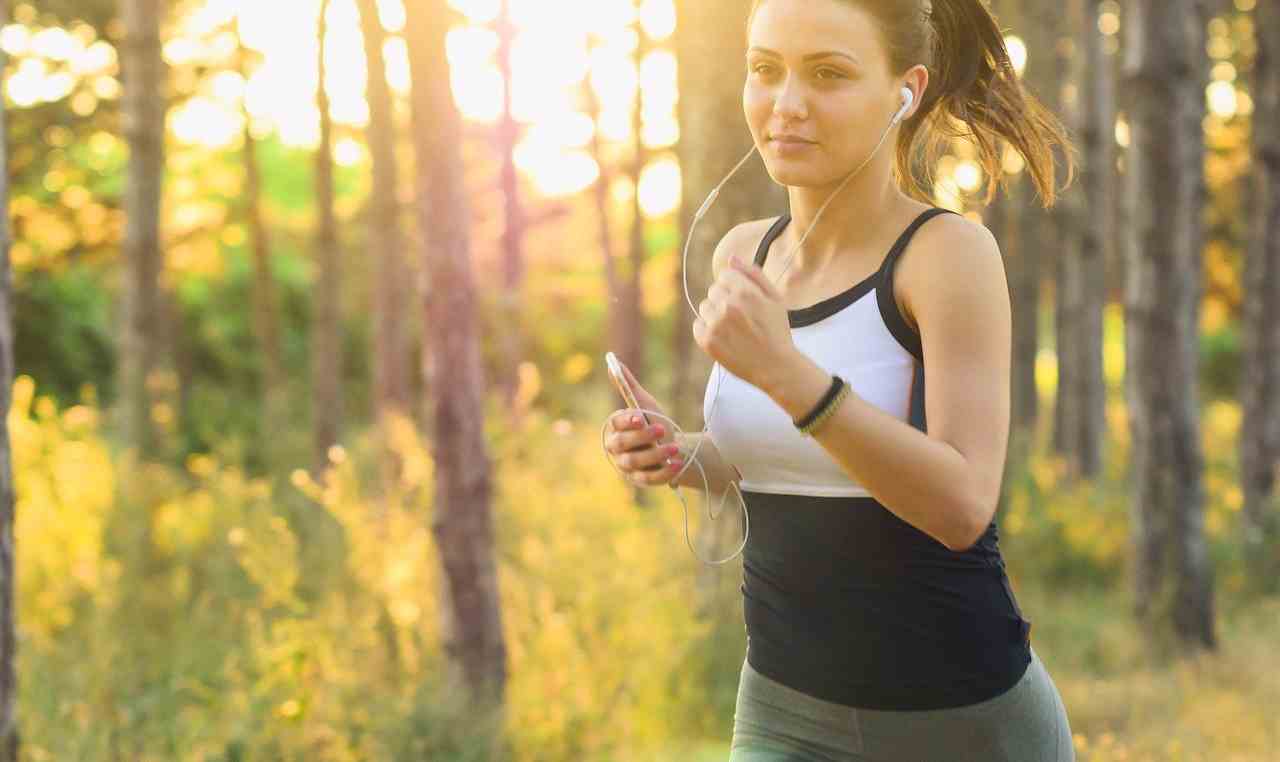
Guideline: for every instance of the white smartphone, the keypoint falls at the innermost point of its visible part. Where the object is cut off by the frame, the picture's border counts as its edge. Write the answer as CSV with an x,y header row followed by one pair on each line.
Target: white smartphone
x,y
620,382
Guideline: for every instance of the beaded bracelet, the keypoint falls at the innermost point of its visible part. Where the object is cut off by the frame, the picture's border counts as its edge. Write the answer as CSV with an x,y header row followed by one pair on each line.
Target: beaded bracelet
x,y
825,408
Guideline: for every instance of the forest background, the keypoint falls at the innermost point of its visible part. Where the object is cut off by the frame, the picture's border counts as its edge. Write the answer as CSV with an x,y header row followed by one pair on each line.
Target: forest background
x,y
305,383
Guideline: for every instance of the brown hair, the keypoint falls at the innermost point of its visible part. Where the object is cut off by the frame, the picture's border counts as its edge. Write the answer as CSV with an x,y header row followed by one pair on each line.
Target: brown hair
x,y
974,93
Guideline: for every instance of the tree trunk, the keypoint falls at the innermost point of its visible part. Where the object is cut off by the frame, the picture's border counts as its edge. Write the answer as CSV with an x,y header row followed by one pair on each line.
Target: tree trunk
x,y
1097,119
515,224
1036,226
8,616
1260,349
144,128
462,521
613,330
1023,257
711,50
632,350
1067,277
326,343
266,318
386,248
1007,222
1164,79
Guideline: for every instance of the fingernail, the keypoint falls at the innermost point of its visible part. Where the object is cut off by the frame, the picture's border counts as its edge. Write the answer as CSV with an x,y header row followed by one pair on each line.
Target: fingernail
x,y
635,420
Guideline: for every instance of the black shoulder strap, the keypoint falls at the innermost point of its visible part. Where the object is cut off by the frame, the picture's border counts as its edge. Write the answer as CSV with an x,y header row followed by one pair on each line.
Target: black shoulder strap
x,y
893,319
763,251
900,245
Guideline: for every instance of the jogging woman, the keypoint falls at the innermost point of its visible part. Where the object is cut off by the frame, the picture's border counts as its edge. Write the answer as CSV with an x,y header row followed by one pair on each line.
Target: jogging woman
x,y
864,342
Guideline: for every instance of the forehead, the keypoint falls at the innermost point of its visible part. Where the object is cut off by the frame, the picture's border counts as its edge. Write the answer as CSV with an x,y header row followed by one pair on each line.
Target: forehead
x,y
800,27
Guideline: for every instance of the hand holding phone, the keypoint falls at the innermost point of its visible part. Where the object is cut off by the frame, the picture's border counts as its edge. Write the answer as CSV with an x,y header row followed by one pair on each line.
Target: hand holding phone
x,y
619,379
645,451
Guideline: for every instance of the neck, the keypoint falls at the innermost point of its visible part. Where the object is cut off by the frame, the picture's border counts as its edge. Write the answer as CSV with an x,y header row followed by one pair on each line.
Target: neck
x,y
850,221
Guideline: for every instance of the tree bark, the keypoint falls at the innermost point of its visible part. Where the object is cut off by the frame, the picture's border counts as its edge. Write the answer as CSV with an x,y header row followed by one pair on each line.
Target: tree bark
x,y
1260,347
1097,119
462,521
1164,77
1022,263
144,128
266,317
8,615
386,242
515,222
391,396
1037,227
632,350
1069,295
1023,257
613,330
326,343
1067,281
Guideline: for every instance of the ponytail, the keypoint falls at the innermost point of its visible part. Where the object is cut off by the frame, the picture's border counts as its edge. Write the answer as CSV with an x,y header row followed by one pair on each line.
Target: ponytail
x,y
975,94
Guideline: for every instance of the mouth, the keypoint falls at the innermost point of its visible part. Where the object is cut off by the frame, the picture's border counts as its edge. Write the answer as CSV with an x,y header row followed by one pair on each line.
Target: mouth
x,y
790,140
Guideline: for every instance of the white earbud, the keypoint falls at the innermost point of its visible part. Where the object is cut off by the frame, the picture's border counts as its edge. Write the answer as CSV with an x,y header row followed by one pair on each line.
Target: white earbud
x,y
908,98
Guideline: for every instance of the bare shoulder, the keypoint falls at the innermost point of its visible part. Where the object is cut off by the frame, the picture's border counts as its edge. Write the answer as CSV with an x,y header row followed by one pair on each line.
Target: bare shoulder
x,y
741,241
949,254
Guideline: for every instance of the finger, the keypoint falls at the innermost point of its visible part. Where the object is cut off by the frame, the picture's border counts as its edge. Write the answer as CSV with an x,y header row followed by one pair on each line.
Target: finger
x,y
624,420
649,459
708,310
658,476
636,439
718,291
756,276
631,379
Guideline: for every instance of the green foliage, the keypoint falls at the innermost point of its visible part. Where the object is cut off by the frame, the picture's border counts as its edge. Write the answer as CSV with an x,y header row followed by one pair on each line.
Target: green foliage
x,y
63,331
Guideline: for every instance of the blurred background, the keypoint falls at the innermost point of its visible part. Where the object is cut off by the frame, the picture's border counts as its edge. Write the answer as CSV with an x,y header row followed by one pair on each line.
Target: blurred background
x,y
305,380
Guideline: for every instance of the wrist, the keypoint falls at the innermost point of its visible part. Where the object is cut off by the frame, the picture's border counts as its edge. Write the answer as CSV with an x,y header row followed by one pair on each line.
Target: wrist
x,y
798,385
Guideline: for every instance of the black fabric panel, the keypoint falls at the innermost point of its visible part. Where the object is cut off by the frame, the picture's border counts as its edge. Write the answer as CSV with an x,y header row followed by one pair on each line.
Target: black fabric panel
x,y
916,415
845,601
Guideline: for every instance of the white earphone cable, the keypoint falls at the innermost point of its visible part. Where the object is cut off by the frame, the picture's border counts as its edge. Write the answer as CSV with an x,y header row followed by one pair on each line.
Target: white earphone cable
x,y
691,458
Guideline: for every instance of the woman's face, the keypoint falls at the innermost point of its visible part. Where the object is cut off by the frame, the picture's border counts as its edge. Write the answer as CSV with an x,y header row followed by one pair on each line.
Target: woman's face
x,y
819,92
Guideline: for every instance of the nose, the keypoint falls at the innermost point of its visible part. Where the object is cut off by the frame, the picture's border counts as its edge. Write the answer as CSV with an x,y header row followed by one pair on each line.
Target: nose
x,y
790,103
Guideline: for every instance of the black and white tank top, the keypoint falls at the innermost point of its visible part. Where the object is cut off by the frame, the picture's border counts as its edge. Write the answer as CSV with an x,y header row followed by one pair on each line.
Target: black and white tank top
x,y
842,599
858,334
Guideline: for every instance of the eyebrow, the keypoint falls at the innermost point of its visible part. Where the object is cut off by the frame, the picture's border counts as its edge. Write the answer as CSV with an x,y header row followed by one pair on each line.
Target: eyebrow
x,y
810,57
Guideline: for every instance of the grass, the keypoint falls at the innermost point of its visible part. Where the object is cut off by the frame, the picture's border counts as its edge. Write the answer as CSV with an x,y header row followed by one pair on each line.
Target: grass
x,y
1124,703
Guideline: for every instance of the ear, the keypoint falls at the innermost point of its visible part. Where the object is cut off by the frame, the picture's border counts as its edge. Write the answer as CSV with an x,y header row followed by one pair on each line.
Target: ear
x,y
916,80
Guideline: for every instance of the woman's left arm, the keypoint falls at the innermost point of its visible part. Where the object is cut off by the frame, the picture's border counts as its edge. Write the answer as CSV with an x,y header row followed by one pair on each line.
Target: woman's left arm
x,y
946,482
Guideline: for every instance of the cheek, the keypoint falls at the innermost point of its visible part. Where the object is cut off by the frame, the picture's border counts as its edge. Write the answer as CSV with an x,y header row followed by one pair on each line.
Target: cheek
x,y
756,105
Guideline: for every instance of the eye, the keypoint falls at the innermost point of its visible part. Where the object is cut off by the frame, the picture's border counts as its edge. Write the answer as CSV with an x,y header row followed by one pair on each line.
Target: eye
x,y
827,72
762,69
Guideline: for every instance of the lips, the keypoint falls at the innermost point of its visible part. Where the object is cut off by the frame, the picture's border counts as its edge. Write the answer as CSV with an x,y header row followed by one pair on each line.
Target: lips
x,y
791,140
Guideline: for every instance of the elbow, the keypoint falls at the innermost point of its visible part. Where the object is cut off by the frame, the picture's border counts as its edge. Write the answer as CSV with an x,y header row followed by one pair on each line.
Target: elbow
x,y
971,524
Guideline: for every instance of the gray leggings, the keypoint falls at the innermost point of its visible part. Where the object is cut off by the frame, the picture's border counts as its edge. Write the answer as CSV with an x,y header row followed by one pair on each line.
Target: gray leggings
x,y
775,723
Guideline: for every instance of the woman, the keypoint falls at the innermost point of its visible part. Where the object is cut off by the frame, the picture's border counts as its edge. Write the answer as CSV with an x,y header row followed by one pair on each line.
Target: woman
x,y
867,424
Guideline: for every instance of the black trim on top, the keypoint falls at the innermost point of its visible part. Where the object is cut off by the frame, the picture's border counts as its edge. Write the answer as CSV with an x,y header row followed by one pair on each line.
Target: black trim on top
x,y
804,316
893,320
814,313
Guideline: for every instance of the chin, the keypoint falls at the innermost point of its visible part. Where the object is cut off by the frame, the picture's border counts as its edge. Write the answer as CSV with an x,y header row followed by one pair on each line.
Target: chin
x,y
798,174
